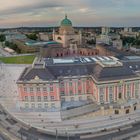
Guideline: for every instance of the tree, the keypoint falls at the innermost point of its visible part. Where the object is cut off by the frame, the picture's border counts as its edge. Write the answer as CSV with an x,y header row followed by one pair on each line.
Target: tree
x,y
128,40
12,46
32,36
7,43
2,38
91,42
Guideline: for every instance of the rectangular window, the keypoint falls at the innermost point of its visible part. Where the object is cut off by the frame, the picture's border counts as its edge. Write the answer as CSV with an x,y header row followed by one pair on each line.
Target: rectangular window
x,y
32,99
111,97
31,89
39,98
52,97
39,105
26,98
53,105
101,98
25,89
46,105
120,88
38,89
61,85
128,87
32,105
44,89
128,90
111,92
62,93
45,98
51,89
101,90
70,84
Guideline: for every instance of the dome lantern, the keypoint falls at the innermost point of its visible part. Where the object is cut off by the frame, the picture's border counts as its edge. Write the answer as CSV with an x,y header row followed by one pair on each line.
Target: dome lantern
x,y
66,22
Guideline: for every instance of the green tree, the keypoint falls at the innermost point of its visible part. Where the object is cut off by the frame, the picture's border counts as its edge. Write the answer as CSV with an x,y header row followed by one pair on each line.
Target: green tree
x,y
128,40
7,43
2,38
12,46
32,36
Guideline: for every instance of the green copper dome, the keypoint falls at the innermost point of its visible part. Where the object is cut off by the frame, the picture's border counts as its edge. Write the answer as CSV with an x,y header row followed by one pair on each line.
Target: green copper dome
x,y
66,22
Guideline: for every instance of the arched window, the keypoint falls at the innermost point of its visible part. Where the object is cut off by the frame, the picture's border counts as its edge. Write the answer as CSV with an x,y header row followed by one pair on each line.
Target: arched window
x,y
59,38
57,55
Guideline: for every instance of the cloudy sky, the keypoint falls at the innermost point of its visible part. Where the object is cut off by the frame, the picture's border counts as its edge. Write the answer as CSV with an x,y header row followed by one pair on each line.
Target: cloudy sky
x,y
15,13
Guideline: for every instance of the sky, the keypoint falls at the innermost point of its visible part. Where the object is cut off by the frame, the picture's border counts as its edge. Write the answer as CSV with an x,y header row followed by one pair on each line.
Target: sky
x,y
18,13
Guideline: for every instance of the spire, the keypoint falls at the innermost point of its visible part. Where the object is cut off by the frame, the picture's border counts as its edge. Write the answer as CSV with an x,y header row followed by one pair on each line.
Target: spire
x,y
65,16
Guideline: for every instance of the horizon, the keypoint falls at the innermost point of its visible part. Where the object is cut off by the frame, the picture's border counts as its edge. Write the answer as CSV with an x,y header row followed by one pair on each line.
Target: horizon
x,y
91,13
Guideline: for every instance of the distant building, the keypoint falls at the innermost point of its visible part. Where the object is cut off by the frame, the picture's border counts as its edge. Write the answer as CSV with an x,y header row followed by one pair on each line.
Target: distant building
x,y
110,50
45,36
28,46
110,39
127,29
105,30
103,38
128,32
117,44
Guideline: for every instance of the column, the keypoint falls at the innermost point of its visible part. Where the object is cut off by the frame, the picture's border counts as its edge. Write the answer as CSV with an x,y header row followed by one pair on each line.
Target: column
x,y
106,94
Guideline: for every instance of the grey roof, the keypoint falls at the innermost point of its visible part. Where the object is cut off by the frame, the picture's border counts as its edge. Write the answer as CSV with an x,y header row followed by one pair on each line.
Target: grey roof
x,y
52,72
31,73
70,70
112,73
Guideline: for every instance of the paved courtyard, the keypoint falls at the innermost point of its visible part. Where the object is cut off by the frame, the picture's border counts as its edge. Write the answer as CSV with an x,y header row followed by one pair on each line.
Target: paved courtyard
x,y
8,89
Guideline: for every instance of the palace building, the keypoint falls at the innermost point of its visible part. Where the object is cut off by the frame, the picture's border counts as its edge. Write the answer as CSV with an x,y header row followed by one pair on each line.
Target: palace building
x,y
67,35
54,82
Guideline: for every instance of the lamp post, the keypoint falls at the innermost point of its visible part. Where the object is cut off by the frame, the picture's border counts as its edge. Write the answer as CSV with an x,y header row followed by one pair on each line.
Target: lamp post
x,y
67,134
56,132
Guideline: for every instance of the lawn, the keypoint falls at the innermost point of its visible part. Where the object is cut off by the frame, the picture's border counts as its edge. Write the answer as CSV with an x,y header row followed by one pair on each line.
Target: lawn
x,y
28,59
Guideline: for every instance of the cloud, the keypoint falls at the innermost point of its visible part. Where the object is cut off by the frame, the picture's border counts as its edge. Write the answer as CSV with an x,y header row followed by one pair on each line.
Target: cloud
x,y
86,12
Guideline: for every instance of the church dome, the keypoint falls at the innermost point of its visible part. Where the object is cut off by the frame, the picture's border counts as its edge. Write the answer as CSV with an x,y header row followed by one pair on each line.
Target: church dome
x,y
66,22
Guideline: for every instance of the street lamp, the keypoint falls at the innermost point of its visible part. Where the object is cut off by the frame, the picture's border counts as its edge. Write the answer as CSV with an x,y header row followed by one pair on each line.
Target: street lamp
x,y
56,134
67,134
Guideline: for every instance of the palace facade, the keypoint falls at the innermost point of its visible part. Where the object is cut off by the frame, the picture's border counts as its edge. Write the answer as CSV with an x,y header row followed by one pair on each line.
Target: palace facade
x,y
51,82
